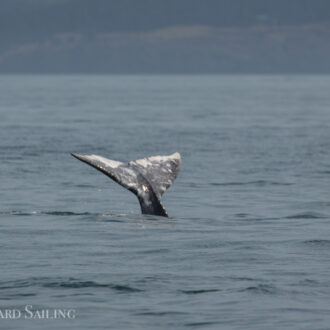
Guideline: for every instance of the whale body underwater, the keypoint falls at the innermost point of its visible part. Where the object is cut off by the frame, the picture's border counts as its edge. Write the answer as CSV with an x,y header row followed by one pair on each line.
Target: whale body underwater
x,y
148,178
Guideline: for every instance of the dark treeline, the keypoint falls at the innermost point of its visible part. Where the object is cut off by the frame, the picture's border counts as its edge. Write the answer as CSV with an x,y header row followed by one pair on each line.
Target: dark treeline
x,y
28,20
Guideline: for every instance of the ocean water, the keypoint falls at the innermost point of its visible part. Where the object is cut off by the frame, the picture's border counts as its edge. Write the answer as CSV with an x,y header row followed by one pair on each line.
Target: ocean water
x,y
247,243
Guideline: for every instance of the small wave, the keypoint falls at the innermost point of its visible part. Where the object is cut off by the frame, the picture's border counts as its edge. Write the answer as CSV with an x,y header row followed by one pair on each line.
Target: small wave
x,y
90,284
260,288
199,291
104,217
153,251
242,215
318,242
252,217
74,284
18,295
81,185
307,215
200,324
324,172
18,213
69,283
34,213
243,278
165,313
66,213
15,284
256,183
124,288
307,282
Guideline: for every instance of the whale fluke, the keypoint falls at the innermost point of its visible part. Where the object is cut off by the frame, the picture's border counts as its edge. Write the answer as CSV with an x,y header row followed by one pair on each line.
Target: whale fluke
x,y
148,178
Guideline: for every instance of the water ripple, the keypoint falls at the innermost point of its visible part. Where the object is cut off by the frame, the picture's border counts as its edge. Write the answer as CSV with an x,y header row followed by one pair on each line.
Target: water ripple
x,y
254,183
307,215
318,242
260,288
69,283
34,213
200,324
199,291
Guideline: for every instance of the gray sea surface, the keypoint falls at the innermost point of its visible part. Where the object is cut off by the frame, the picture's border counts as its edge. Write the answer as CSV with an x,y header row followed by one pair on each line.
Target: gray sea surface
x,y
247,244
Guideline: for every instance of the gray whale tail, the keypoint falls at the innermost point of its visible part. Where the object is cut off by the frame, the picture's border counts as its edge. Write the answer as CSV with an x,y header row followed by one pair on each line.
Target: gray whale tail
x,y
148,178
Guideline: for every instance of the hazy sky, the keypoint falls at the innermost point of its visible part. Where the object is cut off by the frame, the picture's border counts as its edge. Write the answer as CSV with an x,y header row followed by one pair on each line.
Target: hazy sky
x,y
95,35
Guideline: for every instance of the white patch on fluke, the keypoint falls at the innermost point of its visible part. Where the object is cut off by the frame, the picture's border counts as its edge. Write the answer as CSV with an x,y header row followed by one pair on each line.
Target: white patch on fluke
x,y
143,162
106,161
149,161
174,156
